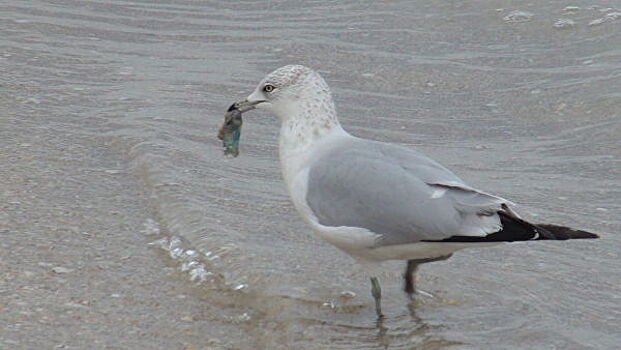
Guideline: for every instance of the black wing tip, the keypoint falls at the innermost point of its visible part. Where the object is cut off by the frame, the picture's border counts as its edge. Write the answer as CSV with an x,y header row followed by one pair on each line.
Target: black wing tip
x,y
516,229
564,232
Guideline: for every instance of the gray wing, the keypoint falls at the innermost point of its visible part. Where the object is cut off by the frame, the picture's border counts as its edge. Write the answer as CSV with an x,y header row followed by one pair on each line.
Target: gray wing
x,y
397,193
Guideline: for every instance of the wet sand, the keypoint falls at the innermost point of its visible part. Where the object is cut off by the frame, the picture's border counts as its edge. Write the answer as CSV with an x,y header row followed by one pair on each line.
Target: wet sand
x,y
77,272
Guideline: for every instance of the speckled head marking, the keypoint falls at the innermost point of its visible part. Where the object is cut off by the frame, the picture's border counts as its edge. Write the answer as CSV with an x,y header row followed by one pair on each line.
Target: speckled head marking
x,y
295,93
292,75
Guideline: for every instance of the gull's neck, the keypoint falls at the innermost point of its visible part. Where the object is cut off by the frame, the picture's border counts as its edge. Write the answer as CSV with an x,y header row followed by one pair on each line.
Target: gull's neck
x,y
305,131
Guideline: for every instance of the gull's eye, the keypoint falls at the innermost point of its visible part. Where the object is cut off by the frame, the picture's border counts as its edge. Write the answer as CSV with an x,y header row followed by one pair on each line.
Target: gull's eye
x,y
268,88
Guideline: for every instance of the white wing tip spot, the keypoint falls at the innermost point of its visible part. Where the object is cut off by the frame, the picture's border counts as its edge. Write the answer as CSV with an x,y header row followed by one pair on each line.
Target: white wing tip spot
x,y
438,192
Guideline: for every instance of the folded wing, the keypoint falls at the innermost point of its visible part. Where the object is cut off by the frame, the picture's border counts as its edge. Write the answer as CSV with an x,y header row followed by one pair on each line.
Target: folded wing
x,y
397,193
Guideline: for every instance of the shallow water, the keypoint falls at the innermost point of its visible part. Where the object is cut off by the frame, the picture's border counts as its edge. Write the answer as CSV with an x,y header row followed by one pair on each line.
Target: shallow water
x,y
512,102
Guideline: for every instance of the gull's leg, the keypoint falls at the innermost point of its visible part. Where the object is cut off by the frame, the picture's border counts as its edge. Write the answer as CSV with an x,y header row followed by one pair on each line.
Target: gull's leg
x,y
376,291
410,273
410,278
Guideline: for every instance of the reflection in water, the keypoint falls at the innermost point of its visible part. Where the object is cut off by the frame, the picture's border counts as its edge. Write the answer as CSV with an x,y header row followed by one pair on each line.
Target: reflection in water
x,y
382,340
419,335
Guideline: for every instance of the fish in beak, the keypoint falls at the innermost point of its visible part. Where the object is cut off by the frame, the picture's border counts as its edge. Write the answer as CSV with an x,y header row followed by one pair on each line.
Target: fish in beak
x,y
230,131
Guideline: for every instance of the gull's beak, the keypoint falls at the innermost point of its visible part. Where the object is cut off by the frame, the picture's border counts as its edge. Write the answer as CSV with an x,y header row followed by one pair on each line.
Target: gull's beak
x,y
255,98
242,106
245,105
248,104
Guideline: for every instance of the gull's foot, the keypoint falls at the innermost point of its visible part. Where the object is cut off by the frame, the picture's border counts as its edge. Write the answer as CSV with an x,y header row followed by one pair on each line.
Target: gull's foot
x,y
376,291
426,294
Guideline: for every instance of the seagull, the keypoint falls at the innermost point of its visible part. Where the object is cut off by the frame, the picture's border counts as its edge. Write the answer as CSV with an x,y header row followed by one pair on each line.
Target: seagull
x,y
378,201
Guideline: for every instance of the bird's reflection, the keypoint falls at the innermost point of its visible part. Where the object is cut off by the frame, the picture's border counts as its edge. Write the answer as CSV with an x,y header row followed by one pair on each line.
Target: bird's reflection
x,y
407,329
382,338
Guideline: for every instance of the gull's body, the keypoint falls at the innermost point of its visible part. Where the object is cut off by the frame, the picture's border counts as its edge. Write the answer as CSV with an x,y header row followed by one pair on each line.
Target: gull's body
x,y
317,178
378,201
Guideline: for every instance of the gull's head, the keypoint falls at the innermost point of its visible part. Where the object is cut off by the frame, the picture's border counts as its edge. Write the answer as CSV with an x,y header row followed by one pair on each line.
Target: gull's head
x,y
291,91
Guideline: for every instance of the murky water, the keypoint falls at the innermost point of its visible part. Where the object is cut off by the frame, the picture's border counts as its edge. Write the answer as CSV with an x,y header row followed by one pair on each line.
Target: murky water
x,y
522,100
